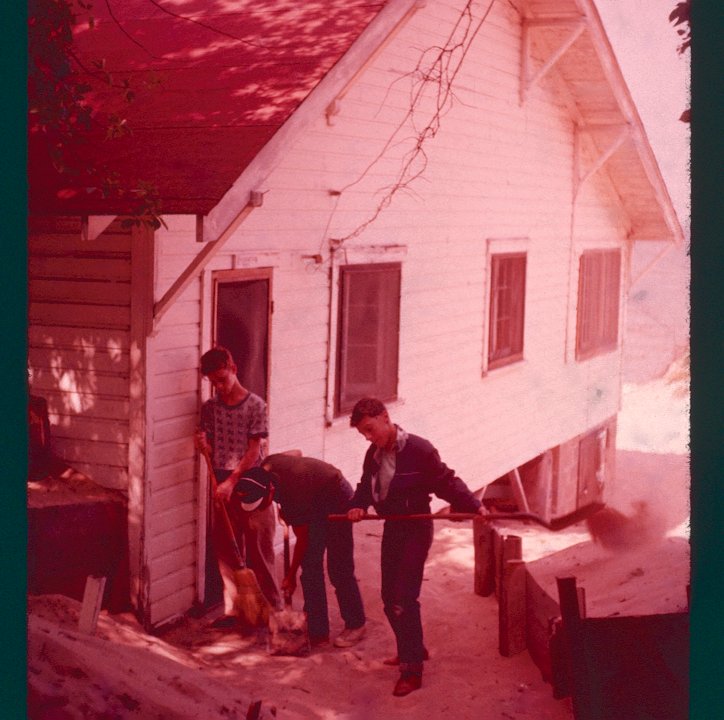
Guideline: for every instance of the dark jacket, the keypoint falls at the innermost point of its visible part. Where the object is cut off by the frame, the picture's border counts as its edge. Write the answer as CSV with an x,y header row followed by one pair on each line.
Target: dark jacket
x,y
419,473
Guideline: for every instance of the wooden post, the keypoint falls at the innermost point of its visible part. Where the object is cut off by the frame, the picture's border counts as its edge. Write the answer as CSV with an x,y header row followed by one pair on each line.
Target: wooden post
x,y
512,609
573,638
92,600
508,547
484,577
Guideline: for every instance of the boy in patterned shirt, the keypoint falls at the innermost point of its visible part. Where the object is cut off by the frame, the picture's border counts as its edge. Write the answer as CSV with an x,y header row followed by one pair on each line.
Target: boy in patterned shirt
x,y
233,427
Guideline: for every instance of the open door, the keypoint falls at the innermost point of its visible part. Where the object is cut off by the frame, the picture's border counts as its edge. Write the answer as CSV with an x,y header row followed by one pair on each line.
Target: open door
x,y
241,323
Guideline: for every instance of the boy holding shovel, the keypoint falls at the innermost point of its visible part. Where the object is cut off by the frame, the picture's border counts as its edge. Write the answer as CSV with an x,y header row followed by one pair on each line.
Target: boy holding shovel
x,y
233,426
308,490
399,473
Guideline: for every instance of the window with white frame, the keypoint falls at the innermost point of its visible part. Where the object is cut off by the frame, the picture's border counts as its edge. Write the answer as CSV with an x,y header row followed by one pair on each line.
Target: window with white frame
x,y
368,342
507,308
599,289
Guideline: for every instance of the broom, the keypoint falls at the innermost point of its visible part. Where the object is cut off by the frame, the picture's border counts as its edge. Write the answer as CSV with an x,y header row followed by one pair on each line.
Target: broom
x,y
250,604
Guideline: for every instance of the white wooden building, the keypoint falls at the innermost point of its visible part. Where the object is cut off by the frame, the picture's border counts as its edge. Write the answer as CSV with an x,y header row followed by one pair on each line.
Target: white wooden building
x,y
483,298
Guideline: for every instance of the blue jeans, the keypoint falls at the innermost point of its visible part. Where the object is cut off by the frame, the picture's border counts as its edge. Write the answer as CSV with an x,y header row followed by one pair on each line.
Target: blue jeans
x,y
405,545
334,537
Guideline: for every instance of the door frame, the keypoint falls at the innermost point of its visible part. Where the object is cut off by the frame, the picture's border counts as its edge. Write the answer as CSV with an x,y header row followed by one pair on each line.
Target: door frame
x,y
219,277
210,281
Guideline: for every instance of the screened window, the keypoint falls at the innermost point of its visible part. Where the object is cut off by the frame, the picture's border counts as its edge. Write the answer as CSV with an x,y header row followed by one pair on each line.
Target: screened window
x,y
507,308
599,285
369,323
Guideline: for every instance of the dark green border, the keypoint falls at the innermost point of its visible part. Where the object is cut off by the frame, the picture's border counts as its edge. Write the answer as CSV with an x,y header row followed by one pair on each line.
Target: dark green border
x,y
13,301
707,336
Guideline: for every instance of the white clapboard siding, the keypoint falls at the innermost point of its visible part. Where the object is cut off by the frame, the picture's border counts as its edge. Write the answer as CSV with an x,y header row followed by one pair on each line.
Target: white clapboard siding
x,y
167,609
172,416
166,587
180,514
78,342
172,497
180,536
79,315
169,476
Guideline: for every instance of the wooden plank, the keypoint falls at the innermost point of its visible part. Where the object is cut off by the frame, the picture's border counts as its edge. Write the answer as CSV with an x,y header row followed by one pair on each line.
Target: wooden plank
x,y
66,246
170,407
171,497
175,428
175,539
91,339
172,452
73,450
170,475
172,606
573,641
177,359
64,267
79,291
80,316
91,606
84,429
172,384
79,389
171,584
174,517
516,487
173,562
110,477
512,609
102,359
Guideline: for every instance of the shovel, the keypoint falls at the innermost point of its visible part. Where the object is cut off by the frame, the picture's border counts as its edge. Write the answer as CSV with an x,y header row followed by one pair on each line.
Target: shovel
x,y
556,524
288,628
250,604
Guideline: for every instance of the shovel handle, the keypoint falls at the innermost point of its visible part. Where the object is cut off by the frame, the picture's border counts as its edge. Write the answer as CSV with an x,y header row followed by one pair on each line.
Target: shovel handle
x,y
415,516
556,524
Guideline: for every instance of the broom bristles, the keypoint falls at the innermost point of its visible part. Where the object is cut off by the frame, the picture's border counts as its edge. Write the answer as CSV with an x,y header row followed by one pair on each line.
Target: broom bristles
x,y
251,605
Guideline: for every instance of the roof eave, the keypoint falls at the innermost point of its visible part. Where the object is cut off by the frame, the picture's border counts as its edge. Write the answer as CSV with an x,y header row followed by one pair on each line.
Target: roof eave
x,y
620,89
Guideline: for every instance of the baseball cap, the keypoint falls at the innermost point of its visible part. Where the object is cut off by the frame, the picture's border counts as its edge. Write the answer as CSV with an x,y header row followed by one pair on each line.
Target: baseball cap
x,y
254,488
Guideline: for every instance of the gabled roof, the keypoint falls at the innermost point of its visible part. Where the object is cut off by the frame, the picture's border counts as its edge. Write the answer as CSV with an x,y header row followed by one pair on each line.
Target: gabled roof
x,y
213,82
218,85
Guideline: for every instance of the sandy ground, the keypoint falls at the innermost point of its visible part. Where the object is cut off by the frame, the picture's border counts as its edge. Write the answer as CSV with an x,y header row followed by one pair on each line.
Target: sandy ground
x,y
194,672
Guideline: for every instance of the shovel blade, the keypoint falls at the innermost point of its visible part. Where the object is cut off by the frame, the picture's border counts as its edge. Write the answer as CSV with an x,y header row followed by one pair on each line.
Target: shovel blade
x,y
288,633
578,515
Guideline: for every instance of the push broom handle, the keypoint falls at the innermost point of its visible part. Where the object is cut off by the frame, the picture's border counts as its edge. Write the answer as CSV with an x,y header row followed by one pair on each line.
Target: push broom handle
x,y
222,509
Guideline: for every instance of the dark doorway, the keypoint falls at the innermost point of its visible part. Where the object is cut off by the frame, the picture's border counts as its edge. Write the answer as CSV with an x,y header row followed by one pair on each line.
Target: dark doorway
x,y
241,323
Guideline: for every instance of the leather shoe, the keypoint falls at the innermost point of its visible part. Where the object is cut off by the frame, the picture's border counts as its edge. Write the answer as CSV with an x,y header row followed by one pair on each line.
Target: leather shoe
x,y
396,660
319,641
406,684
